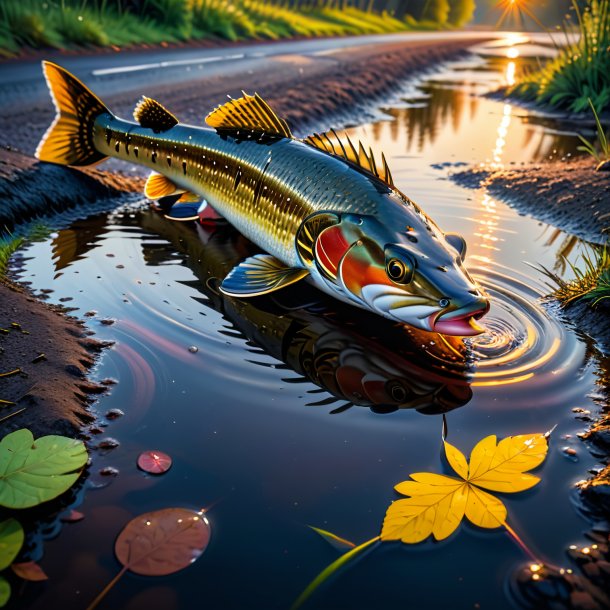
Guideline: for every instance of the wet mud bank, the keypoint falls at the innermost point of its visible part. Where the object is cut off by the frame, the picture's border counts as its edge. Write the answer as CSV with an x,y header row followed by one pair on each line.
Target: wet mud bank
x,y
571,195
45,355
32,190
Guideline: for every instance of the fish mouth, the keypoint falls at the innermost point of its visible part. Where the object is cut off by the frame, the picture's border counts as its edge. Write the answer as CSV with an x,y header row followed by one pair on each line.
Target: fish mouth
x,y
460,322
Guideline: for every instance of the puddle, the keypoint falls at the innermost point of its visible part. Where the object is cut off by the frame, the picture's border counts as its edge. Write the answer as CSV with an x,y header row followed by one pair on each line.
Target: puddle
x,y
295,410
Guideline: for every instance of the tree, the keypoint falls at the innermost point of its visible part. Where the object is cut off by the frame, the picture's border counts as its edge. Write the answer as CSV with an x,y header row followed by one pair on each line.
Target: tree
x,y
461,11
437,11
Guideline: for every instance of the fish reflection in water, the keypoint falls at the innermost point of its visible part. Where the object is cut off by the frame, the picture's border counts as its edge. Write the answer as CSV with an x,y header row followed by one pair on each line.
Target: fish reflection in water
x,y
356,357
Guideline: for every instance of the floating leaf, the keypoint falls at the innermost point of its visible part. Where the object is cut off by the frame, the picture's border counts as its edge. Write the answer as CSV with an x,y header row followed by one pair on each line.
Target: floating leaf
x,y
436,504
163,541
159,543
341,544
154,462
11,541
29,570
5,591
32,472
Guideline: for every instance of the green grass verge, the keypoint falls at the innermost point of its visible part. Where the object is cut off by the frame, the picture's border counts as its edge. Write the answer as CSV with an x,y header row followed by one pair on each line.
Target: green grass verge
x,y
65,24
591,281
581,71
9,243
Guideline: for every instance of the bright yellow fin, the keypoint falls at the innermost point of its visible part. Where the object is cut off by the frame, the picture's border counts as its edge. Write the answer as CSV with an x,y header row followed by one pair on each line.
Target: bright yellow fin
x,y
342,146
189,197
158,186
69,140
149,113
249,112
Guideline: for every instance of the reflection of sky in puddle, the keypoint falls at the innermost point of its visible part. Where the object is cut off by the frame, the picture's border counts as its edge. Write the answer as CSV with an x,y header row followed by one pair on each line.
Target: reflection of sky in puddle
x,y
240,424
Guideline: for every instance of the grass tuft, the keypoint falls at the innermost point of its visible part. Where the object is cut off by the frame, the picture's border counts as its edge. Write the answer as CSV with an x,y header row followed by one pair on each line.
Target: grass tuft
x,y
581,71
591,279
591,147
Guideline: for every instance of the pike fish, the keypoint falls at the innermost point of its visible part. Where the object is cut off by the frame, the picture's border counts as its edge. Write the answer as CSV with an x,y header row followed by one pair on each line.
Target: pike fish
x,y
321,207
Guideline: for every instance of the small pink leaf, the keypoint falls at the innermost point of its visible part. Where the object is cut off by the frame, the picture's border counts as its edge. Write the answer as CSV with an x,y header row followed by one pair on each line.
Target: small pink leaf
x,y
154,462
29,570
72,517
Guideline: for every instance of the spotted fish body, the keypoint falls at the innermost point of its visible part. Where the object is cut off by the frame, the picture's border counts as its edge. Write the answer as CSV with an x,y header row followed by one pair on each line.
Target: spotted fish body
x,y
321,208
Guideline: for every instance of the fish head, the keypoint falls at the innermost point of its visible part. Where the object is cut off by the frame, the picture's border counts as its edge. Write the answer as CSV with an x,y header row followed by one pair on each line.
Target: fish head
x,y
419,282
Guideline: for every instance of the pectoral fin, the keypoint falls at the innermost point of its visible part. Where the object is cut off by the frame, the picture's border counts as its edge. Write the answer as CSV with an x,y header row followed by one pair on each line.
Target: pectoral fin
x,y
159,187
259,275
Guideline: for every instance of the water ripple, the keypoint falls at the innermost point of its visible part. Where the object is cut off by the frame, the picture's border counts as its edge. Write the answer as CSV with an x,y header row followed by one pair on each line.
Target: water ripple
x,y
523,339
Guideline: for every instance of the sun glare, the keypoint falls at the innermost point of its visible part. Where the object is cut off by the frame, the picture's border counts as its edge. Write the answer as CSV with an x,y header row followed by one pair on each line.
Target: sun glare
x,y
514,11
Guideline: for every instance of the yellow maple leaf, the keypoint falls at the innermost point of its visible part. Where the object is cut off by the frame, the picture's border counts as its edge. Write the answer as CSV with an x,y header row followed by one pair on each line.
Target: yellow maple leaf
x,y
436,504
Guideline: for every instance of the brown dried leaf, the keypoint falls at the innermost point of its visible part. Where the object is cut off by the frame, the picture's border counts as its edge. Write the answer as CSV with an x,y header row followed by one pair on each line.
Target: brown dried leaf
x,y
163,541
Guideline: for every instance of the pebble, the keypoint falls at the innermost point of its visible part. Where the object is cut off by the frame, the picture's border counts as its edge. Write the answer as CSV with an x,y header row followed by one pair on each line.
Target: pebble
x,y
114,414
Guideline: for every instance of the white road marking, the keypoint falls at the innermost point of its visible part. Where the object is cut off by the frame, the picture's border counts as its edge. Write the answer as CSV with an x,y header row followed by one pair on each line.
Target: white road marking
x,y
166,64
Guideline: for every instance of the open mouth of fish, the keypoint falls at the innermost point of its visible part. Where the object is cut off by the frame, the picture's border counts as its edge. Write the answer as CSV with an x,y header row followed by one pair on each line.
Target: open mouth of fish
x,y
461,321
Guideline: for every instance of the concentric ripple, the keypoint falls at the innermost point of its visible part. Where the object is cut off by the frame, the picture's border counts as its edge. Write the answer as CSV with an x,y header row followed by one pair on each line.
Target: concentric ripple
x,y
525,339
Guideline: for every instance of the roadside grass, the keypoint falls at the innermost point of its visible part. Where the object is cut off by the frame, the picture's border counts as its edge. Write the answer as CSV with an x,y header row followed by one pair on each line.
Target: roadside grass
x,y
65,24
591,281
581,71
10,243
600,149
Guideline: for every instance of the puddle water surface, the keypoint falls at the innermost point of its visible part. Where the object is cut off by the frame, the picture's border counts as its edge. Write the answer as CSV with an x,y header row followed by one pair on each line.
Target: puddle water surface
x,y
295,410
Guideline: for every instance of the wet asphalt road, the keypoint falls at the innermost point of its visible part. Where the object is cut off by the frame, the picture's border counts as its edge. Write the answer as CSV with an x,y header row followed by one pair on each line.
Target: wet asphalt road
x,y
108,73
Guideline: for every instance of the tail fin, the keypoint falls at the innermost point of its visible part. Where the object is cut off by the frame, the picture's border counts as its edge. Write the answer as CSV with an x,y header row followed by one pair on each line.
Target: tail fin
x,y
69,140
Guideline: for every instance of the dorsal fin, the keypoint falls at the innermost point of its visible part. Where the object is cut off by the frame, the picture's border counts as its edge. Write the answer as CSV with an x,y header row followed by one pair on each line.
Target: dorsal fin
x,y
250,112
342,146
149,113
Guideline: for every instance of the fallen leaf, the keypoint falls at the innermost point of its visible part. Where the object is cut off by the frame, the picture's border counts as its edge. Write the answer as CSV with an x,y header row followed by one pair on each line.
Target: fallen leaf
x,y
29,570
154,462
436,504
11,541
341,544
33,472
163,541
5,591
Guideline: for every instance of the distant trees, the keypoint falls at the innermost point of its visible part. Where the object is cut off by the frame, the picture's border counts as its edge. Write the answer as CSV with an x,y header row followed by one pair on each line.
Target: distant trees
x,y
461,11
451,12
437,11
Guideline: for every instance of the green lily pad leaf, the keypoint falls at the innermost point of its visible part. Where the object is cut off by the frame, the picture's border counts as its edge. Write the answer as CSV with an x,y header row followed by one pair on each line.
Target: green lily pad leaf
x,y
11,541
5,592
33,472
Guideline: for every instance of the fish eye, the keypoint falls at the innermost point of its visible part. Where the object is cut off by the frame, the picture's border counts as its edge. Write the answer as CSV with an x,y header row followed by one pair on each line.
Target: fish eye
x,y
399,271
444,303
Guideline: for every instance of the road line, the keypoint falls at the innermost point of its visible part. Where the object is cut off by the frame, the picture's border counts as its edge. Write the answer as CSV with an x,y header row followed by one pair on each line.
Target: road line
x,y
166,64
